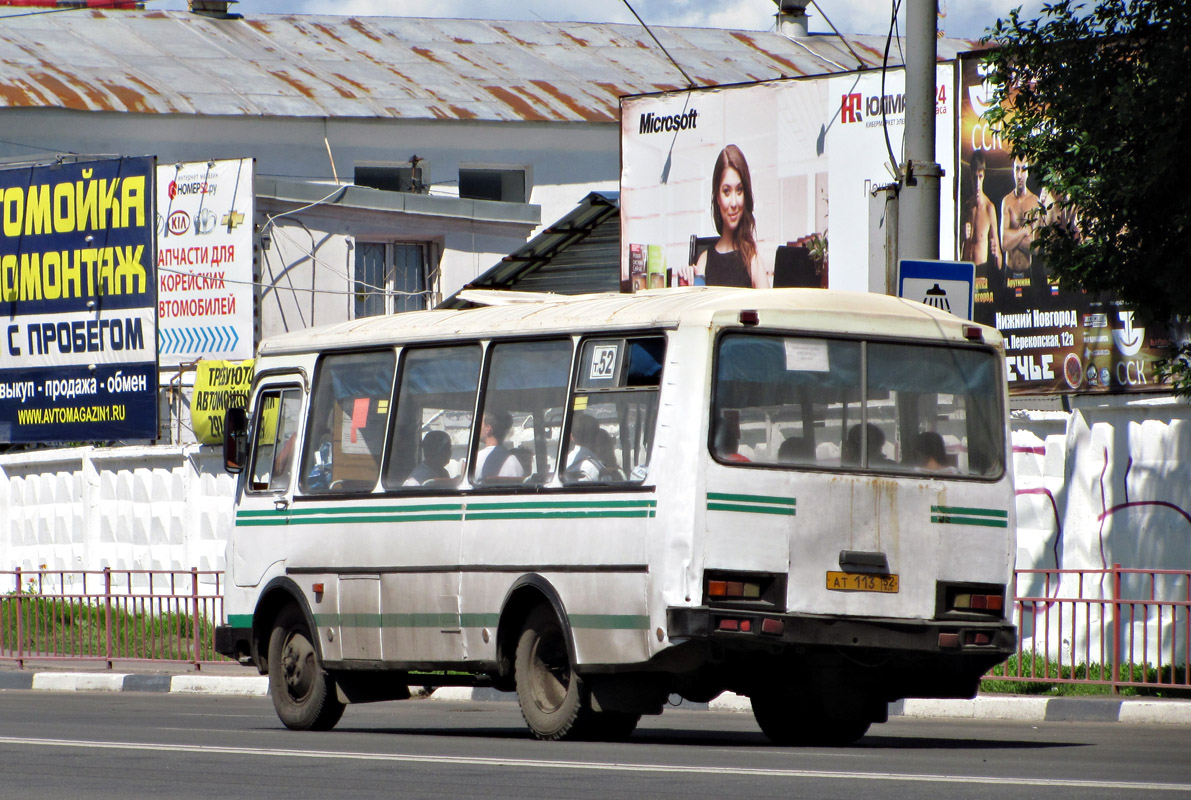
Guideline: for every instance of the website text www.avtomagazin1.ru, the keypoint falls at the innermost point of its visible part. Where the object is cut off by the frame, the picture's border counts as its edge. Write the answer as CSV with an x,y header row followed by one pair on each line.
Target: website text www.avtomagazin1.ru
x,y
64,414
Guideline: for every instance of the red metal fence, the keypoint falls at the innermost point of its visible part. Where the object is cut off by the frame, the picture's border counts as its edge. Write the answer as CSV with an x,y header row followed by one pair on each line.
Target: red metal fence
x,y
1114,627
110,615
1111,627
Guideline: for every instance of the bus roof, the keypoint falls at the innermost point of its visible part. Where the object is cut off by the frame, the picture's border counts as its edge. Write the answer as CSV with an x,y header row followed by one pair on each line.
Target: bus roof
x,y
822,310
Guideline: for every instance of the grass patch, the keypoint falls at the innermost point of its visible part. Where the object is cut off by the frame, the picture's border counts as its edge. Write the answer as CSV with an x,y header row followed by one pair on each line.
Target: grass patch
x,y
56,627
1159,680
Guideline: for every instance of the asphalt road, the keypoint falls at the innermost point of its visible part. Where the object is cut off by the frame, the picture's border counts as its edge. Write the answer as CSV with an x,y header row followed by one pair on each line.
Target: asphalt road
x,y
145,745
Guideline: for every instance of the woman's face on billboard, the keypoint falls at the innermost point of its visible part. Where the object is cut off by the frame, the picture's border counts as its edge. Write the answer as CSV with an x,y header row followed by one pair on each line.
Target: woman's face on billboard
x,y
730,197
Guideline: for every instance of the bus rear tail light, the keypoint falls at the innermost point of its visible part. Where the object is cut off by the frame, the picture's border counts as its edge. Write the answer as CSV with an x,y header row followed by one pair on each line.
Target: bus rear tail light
x,y
972,599
772,626
979,602
742,625
734,590
756,591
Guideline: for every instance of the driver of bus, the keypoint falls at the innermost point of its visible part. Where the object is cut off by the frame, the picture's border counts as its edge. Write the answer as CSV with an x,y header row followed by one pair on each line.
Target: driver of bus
x,y
495,460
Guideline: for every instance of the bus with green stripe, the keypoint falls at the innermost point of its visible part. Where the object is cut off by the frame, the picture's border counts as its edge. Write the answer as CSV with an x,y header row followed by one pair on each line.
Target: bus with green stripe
x,y
604,503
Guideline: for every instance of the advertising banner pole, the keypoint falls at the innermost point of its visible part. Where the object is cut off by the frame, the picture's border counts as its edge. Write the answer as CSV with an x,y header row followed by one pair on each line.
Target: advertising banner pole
x,y
918,230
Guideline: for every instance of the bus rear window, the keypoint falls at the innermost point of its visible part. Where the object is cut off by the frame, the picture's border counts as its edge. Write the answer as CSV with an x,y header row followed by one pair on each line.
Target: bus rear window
x,y
850,405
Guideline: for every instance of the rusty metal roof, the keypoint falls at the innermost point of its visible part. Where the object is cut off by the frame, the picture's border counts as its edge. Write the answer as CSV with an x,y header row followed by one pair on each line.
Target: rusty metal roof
x,y
162,62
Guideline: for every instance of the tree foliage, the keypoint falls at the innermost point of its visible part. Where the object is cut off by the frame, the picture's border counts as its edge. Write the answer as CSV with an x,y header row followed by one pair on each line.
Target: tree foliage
x,y
1095,98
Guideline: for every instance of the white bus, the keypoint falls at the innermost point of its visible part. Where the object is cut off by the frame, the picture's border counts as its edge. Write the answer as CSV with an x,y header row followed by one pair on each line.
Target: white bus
x,y
600,502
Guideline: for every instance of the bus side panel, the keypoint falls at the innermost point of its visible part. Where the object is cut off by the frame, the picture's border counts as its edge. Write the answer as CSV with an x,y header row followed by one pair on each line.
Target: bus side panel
x,y
393,573
421,617
590,547
749,520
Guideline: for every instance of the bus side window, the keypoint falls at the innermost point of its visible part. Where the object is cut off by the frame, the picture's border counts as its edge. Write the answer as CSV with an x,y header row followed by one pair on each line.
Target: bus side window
x,y
349,409
278,412
432,422
614,409
525,390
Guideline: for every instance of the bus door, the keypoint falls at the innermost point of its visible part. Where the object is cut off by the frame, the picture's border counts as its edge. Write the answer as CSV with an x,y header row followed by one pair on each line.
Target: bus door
x,y
262,514
341,529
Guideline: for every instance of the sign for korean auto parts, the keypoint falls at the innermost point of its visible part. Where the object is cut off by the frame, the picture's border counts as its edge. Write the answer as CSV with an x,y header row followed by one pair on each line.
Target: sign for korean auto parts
x,y
204,261
78,288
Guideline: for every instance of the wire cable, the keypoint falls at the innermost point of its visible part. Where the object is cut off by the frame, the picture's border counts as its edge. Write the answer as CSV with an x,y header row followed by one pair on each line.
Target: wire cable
x,y
884,106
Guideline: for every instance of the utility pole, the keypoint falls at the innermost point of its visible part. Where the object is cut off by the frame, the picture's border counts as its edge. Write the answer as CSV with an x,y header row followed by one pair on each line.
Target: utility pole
x,y
918,218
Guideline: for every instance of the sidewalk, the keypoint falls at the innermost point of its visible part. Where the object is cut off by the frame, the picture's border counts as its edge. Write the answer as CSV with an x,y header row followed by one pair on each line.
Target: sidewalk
x,y
232,679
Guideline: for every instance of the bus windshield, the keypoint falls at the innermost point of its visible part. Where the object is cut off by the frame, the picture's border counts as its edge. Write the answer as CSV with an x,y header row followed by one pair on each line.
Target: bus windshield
x,y
853,405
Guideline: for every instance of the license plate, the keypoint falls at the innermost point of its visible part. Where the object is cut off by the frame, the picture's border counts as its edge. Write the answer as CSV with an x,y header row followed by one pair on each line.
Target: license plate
x,y
855,582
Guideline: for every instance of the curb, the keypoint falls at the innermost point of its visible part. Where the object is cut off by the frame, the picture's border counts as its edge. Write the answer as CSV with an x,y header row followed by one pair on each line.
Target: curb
x,y
244,686
984,707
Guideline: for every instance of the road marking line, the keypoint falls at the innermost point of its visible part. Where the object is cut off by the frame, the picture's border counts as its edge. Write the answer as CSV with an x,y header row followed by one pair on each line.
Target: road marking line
x,y
527,763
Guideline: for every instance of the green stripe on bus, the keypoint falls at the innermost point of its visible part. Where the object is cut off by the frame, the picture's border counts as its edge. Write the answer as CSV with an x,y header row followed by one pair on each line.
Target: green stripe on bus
x,y
752,498
239,620
390,509
745,509
564,504
983,522
451,512
397,517
607,622
610,622
477,620
574,514
971,512
253,523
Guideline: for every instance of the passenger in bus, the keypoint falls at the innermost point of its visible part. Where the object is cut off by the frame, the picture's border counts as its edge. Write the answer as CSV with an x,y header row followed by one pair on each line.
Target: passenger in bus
x,y
930,454
727,441
495,460
605,450
436,452
850,457
583,464
796,450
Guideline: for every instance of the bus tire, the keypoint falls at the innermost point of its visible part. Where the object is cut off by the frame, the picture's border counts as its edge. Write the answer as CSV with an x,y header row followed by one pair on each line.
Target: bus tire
x,y
790,719
303,694
550,693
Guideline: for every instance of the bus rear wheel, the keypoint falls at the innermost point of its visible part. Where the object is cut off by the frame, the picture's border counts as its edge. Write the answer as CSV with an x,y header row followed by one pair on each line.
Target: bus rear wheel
x,y
791,719
550,694
303,694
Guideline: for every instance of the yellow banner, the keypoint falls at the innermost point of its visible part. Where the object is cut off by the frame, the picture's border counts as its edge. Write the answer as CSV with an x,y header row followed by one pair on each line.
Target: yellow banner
x,y
218,385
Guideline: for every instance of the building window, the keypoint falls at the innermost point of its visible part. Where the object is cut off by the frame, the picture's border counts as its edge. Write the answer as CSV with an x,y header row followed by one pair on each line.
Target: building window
x,y
410,176
391,277
507,185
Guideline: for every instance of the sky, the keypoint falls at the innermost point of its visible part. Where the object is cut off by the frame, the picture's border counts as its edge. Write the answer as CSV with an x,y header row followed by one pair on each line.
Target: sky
x,y
961,18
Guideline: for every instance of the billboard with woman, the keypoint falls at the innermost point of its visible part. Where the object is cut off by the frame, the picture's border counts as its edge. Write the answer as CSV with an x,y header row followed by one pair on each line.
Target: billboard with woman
x,y
739,185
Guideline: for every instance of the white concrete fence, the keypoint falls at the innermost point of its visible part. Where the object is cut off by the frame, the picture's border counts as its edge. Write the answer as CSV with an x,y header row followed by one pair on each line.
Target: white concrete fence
x,y
1097,486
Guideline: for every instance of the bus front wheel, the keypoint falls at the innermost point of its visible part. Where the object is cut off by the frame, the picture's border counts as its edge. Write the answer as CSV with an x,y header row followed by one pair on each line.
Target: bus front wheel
x,y
548,690
303,694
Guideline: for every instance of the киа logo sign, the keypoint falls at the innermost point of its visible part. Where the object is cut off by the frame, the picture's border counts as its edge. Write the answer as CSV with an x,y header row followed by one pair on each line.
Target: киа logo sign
x,y
179,222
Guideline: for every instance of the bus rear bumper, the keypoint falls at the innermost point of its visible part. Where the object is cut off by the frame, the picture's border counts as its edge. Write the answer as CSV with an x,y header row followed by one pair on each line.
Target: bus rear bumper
x,y
728,627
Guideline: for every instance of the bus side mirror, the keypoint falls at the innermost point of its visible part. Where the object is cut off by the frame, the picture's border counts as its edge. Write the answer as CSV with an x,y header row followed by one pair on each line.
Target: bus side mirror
x,y
235,439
